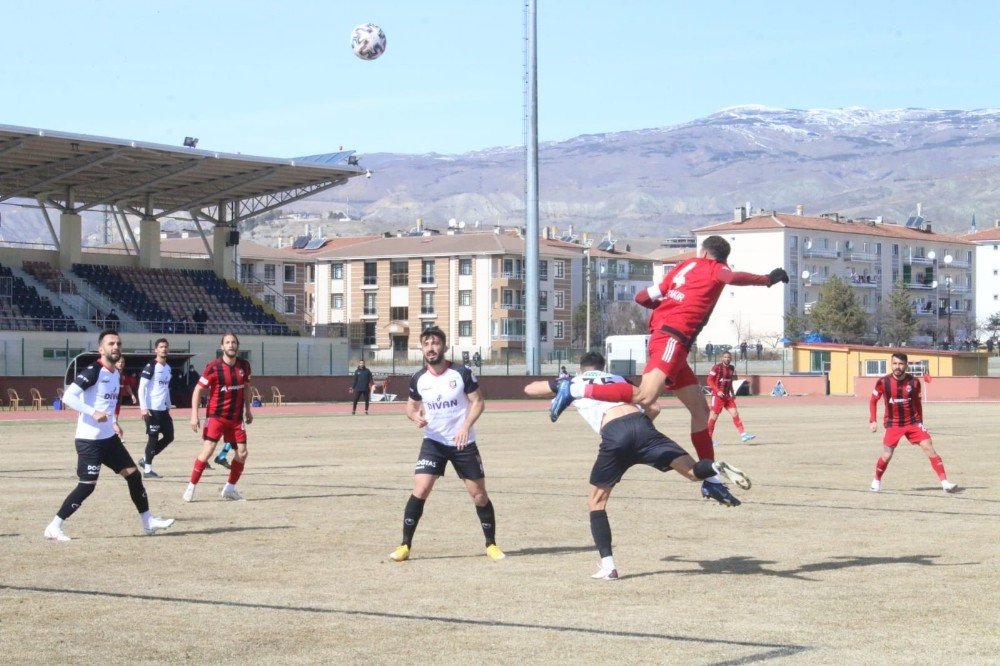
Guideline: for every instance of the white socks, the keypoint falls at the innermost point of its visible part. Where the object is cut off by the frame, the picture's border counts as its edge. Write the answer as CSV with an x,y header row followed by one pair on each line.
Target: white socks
x,y
608,563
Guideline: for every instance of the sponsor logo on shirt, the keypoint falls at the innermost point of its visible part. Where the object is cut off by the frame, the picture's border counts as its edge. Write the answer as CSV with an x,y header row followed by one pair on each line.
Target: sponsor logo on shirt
x,y
441,404
223,389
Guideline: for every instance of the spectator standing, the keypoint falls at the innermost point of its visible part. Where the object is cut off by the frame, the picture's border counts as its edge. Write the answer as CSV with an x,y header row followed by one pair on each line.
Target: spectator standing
x,y
760,350
199,317
363,381
743,350
112,321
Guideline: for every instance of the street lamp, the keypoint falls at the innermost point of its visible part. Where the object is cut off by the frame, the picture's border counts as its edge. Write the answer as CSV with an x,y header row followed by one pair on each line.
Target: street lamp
x,y
586,274
947,284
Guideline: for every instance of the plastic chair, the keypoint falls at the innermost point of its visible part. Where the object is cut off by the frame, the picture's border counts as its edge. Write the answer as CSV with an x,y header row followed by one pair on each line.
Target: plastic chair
x,y
255,395
37,401
14,399
277,397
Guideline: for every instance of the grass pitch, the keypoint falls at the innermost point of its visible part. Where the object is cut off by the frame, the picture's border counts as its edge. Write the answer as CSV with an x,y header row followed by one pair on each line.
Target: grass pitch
x,y
812,569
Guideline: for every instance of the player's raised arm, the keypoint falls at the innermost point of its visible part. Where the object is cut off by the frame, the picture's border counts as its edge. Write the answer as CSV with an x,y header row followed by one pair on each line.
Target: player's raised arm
x,y
541,389
742,279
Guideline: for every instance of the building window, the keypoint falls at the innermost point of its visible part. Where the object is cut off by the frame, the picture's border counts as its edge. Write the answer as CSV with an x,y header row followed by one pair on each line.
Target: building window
x,y
399,273
426,302
465,329
465,297
543,270
337,270
558,328
371,273
428,324
336,301
465,266
560,268
289,305
793,242
289,270
369,338
269,301
874,368
427,272
312,273
247,273
399,314
270,271
543,300
557,300
543,330
895,249
369,308
512,327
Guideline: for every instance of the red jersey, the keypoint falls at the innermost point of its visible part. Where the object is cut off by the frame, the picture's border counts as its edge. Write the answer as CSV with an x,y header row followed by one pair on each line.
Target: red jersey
x,y
686,296
227,385
721,378
902,401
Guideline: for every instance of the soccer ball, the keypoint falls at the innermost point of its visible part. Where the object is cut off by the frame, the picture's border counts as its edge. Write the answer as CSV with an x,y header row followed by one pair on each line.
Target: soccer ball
x,y
368,41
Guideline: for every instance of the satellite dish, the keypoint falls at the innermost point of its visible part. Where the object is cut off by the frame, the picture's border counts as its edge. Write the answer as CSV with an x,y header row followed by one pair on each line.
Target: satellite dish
x,y
932,255
809,243
934,284
948,259
452,223
461,225
805,275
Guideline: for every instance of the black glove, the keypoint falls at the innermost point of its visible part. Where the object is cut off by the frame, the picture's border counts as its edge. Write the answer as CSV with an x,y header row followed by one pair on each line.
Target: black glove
x,y
777,275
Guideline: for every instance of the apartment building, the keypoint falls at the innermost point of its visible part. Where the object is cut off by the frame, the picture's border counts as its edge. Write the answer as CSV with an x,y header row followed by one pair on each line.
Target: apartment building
x,y
382,292
870,255
987,275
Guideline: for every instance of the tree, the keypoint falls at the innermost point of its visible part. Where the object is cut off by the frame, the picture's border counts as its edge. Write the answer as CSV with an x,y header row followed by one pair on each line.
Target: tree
x,y
838,313
795,324
897,322
580,325
625,318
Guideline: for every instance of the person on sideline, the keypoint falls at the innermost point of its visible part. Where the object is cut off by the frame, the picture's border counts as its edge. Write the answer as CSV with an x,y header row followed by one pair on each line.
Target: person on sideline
x,y
363,382
446,403
904,417
227,380
628,438
94,394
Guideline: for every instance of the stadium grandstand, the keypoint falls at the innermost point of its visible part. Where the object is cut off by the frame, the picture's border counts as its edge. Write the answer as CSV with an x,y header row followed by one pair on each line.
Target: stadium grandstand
x,y
63,286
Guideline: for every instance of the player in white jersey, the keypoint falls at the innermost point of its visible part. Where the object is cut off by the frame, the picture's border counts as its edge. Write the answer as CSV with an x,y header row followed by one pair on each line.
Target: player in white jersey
x,y
94,393
154,407
445,401
627,438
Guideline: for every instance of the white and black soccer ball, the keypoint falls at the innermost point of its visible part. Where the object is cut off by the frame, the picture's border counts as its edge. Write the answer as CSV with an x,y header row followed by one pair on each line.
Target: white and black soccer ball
x,y
368,41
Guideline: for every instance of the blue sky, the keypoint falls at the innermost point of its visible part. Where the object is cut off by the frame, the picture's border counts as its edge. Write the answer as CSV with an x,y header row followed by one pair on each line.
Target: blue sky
x,y
279,79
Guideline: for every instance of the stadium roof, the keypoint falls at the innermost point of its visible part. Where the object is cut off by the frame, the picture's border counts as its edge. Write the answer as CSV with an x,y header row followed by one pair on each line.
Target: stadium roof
x,y
76,172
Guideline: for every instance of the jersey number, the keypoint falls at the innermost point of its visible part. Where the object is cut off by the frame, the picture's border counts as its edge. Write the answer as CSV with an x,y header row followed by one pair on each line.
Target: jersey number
x,y
679,279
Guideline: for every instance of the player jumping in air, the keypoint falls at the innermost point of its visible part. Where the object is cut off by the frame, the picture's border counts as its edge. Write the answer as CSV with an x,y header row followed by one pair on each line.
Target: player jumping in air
x,y
903,418
682,304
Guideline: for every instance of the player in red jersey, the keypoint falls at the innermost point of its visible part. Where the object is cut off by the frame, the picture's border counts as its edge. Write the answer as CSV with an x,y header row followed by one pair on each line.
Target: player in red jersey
x,y
903,418
720,380
227,380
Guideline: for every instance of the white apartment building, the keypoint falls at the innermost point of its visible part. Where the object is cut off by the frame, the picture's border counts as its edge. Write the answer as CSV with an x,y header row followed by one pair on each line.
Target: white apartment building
x,y
987,263
870,255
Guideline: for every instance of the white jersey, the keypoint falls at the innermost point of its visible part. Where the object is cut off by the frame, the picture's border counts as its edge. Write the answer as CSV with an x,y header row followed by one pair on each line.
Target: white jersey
x,y
95,389
446,402
154,387
591,410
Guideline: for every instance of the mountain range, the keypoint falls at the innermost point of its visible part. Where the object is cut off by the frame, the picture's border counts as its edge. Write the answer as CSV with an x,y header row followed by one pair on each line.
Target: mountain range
x,y
667,181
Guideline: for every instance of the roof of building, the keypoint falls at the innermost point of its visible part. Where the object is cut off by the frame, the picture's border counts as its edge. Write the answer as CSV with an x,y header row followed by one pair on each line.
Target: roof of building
x,y
678,257
445,245
104,171
774,221
985,235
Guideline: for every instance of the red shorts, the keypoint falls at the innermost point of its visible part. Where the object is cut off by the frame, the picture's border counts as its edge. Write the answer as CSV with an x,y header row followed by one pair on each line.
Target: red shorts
x,y
669,356
228,430
718,404
916,433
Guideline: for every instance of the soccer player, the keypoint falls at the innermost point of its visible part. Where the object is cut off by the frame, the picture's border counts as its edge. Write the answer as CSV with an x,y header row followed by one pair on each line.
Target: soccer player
x,y
453,404
720,380
682,304
628,438
154,407
903,418
94,394
227,380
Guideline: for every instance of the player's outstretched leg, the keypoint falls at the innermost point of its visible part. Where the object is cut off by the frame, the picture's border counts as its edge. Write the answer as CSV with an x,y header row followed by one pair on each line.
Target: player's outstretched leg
x,y
562,400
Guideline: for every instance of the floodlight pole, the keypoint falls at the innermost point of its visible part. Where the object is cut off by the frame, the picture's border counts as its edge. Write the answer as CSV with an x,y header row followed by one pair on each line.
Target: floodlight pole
x,y
532,343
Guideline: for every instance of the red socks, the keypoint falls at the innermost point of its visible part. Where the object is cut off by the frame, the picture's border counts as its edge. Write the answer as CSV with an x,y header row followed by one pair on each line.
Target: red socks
x,y
618,392
702,442
739,424
235,470
711,427
880,466
199,467
938,466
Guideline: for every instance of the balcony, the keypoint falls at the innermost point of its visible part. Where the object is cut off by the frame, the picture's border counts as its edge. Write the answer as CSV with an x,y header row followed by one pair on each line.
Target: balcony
x,y
960,263
864,281
923,261
864,257
820,253
924,311
920,286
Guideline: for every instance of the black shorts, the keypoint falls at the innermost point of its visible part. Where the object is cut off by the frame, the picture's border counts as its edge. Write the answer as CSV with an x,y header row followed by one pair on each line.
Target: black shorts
x,y
92,453
434,456
631,440
159,421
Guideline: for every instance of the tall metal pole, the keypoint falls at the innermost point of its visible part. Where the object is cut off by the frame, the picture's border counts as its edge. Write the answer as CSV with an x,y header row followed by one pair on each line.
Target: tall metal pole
x,y
532,340
586,274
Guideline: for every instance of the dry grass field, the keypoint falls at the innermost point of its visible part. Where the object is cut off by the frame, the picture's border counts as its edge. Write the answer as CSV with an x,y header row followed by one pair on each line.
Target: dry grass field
x,y
812,569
